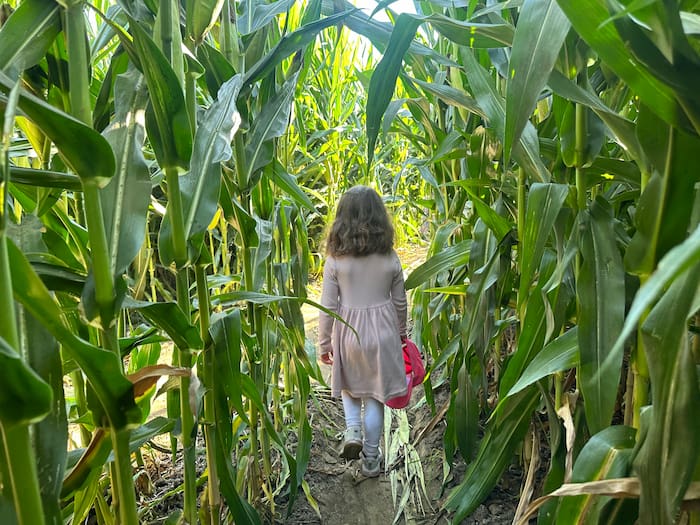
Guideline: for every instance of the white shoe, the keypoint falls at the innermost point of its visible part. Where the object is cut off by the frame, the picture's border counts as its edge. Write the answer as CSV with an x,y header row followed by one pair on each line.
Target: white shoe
x,y
352,444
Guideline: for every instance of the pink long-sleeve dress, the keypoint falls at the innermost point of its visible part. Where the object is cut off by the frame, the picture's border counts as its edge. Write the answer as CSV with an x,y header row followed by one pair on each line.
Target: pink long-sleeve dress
x,y
368,293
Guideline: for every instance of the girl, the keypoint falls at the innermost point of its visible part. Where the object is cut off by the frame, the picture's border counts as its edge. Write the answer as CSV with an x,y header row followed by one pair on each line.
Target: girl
x,y
363,283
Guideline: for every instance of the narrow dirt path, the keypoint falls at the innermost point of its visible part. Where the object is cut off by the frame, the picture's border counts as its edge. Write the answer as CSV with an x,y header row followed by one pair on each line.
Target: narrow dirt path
x,y
342,495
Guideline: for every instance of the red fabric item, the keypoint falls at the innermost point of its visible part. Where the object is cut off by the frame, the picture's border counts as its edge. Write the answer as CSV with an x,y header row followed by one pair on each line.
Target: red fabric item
x,y
406,359
415,373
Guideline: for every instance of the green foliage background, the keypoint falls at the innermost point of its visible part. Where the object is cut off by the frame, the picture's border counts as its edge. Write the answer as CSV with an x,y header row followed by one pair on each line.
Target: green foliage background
x,y
167,169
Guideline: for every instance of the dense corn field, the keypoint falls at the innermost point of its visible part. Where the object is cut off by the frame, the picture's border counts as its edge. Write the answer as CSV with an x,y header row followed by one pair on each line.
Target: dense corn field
x,y
168,169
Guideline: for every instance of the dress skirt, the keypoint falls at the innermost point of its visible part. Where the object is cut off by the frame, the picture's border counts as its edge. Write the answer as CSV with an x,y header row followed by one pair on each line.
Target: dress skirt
x,y
368,361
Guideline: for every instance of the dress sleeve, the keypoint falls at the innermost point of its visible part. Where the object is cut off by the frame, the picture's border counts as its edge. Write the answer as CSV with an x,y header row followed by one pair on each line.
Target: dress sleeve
x,y
329,299
398,296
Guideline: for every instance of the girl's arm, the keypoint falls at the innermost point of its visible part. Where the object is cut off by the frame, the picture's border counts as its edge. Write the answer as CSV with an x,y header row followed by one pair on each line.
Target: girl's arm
x,y
329,299
398,296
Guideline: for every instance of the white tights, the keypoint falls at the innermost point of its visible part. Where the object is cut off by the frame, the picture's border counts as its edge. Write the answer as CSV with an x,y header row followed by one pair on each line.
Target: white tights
x,y
373,420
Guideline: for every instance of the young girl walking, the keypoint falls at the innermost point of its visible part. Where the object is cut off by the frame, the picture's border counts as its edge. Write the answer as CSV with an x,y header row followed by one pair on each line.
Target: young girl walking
x,y
363,283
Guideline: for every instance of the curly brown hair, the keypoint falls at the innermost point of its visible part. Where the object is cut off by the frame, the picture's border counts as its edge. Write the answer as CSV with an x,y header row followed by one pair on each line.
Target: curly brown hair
x,y
361,226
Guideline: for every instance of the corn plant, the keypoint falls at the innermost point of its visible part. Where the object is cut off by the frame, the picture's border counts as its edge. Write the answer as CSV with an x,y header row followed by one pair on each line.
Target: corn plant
x,y
161,163
568,214
159,126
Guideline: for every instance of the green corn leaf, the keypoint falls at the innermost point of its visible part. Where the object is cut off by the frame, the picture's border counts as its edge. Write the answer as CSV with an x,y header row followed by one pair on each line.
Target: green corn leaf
x,y
623,129
253,297
497,224
8,322
481,280
674,264
544,202
490,9
25,397
664,211
262,252
443,236
85,498
287,46
256,15
253,394
447,259
50,435
45,178
453,289
665,52
114,17
143,346
231,387
271,123
200,187
539,35
472,34
691,23
7,510
262,298
28,34
245,223
126,198
71,137
383,81
244,512
102,368
607,455
201,15
558,355
650,13
66,242
312,11
303,452
379,33
601,293
557,466
620,512
239,507
505,431
526,151
170,318
290,186
226,335
466,412
310,497
669,454
217,69
530,342
621,170
450,95
146,432
565,113
167,120
590,20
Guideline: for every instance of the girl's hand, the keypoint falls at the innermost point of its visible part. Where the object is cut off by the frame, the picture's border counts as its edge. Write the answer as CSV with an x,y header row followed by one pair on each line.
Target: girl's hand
x,y
327,358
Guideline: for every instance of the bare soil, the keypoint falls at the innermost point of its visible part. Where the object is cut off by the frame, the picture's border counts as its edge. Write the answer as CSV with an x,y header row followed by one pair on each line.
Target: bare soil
x,y
345,497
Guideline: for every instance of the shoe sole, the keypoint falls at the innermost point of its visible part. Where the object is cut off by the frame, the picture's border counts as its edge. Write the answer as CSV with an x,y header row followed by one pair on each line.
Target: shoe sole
x,y
351,450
